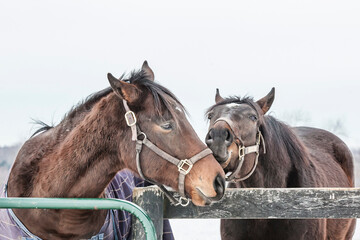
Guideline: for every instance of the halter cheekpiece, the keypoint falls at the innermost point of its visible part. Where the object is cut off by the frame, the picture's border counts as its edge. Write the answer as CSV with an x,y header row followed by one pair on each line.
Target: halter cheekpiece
x,y
184,166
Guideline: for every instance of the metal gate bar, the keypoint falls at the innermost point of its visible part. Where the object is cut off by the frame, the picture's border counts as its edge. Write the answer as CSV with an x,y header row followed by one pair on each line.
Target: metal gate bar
x,y
84,203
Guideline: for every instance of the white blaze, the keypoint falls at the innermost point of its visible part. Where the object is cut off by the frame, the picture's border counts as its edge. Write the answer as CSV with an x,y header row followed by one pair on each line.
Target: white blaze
x,y
179,109
232,105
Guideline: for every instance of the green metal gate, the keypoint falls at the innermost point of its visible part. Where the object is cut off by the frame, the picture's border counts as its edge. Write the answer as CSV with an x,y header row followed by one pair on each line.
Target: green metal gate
x,y
84,203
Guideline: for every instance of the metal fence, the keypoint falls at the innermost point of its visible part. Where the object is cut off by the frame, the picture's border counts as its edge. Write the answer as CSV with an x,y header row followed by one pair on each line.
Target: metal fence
x,y
85,203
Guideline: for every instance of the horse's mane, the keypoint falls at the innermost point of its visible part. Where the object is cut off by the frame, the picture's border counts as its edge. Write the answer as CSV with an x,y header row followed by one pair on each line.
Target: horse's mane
x,y
88,103
162,98
278,135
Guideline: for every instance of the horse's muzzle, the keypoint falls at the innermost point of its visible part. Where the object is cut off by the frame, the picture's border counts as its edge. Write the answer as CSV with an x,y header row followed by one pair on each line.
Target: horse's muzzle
x,y
218,140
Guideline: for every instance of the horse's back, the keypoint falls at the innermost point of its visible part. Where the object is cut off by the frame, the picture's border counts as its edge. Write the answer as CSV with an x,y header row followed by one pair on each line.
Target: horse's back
x,y
25,166
333,160
330,153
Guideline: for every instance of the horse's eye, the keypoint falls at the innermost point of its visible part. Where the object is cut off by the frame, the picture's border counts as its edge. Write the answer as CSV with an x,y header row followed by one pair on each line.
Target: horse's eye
x,y
210,115
253,118
167,126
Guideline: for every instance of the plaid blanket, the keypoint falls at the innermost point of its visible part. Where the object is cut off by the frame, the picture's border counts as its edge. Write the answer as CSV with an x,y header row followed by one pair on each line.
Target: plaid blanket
x,y
117,224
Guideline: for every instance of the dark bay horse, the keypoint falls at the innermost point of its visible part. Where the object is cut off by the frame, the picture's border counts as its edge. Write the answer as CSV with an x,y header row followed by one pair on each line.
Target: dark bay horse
x,y
79,157
260,151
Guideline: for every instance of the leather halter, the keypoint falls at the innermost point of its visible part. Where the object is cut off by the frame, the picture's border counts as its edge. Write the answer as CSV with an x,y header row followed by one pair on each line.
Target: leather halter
x,y
243,151
184,166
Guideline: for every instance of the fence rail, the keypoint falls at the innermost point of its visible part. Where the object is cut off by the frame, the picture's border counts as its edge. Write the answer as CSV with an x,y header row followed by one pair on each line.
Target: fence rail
x,y
254,203
86,203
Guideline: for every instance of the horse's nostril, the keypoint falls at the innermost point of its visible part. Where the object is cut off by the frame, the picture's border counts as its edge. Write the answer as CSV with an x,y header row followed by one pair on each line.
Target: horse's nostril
x,y
209,138
229,137
219,186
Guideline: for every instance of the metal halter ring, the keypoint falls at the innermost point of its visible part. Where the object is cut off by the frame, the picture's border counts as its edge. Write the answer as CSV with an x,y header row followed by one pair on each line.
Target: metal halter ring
x,y
130,118
183,163
143,134
183,202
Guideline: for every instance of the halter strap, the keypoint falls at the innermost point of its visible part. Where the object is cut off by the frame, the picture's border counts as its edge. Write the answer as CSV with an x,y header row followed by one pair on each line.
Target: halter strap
x,y
243,151
184,166
130,120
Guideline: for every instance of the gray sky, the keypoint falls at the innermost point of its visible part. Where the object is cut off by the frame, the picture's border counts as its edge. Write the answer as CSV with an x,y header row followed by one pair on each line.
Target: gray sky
x,y
54,54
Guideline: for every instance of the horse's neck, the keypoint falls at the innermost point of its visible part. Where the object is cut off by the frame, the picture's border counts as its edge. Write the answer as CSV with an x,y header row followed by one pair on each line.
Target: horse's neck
x,y
283,165
83,163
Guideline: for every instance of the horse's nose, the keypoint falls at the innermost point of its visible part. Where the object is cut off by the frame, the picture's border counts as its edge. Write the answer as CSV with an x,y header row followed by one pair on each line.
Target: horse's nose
x,y
219,186
219,135
209,138
218,140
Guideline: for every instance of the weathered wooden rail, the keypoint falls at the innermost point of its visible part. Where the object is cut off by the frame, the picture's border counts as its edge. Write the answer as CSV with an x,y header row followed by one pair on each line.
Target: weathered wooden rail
x,y
253,203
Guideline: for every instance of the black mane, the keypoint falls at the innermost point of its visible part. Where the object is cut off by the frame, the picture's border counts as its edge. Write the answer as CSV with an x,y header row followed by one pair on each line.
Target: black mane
x,y
284,149
88,103
278,135
162,98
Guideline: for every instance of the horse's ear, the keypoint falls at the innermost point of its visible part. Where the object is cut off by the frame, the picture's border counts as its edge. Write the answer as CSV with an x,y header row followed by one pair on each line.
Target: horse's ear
x,y
266,102
126,91
149,73
218,98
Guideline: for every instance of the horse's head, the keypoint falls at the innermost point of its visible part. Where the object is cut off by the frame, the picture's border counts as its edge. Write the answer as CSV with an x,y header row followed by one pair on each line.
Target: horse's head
x,y
234,133
170,143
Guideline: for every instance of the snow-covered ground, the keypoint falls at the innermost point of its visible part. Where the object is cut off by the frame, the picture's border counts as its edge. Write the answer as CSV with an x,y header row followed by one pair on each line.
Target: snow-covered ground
x,y
357,232
209,229
196,229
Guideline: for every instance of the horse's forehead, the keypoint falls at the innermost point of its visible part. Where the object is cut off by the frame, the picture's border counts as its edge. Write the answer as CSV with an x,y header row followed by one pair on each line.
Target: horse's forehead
x,y
232,105
166,102
173,109
238,108
177,107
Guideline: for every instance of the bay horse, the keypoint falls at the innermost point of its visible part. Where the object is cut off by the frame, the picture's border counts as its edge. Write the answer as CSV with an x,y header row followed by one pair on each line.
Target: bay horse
x,y
104,134
259,151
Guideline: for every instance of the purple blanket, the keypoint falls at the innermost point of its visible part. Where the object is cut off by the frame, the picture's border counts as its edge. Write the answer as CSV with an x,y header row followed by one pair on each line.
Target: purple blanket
x,y
117,224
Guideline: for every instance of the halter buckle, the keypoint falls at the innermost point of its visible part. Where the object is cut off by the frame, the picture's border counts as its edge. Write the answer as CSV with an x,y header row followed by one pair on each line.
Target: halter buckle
x,y
130,118
185,163
241,152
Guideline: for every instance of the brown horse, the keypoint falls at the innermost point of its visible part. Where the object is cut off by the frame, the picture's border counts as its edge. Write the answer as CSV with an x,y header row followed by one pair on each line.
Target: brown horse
x,y
260,151
79,157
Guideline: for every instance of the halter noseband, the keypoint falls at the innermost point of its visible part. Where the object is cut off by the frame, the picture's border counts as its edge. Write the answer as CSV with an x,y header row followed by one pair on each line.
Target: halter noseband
x,y
243,151
184,166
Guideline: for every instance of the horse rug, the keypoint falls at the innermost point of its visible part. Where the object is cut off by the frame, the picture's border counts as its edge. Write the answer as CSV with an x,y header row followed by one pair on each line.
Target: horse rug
x,y
117,225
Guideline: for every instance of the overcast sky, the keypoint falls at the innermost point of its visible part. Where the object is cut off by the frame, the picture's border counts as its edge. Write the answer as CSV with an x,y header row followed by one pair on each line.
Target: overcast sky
x,y
54,54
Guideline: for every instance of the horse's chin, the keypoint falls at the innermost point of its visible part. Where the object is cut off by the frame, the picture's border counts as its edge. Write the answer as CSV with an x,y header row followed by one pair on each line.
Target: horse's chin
x,y
201,199
222,159
225,161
